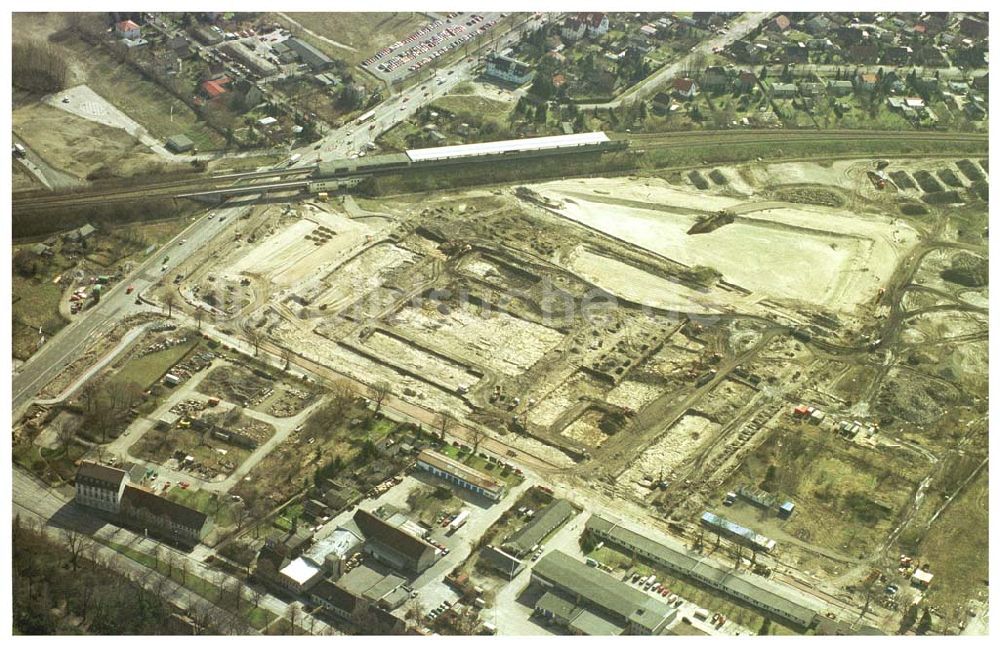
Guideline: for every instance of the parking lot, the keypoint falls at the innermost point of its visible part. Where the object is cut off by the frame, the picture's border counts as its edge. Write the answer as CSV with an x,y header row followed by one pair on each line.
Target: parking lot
x,y
424,46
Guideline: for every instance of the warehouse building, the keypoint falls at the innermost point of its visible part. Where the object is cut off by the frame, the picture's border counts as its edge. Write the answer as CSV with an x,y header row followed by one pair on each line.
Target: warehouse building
x,y
460,474
737,533
588,601
309,55
790,606
394,546
548,519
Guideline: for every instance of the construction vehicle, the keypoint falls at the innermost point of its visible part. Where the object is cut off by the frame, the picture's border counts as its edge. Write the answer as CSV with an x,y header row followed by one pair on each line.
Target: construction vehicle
x,y
878,178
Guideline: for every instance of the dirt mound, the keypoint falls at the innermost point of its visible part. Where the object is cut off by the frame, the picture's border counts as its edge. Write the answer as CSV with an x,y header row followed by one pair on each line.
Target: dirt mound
x,y
698,180
942,198
810,195
718,177
967,270
949,177
927,181
970,170
902,180
912,209
915,399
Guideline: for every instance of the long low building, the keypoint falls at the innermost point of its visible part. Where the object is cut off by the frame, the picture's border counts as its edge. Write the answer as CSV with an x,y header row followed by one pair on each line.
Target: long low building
x,y
393,545
732,530
460,474
508,146
588,601
785,603
548,519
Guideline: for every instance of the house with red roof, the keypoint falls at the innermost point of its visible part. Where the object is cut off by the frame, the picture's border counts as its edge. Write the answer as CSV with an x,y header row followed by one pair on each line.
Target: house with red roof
x,y
214,88
127,29
685,88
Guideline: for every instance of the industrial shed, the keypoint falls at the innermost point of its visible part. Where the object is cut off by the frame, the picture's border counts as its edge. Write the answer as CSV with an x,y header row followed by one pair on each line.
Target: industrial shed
x,y
548,519
789,605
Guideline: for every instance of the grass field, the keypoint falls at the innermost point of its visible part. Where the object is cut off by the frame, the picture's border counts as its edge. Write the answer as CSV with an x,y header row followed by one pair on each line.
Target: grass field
x,y
367,32
142,100
146,370
474,104
35,305
956,549
22,180
204,501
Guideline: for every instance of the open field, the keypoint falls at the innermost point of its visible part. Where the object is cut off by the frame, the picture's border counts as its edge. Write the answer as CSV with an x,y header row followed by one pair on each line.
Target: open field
x,y
821,252
366,32
161,114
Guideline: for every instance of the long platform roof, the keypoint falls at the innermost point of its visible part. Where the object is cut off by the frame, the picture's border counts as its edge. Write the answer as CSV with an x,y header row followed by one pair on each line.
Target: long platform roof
x,y
505,146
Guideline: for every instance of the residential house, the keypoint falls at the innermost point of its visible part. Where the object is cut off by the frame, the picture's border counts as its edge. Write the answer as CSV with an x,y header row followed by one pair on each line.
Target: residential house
x,y
579,25
982,82
662,103
299,575
716,79
796,52
927,84
863,53
866,81
127,29
290,544
817,25
341,603
783,90
811,88
508,69
958,87
847,36
685,88
100,486
975,111
393,545
215,88
81,234
181,47
648,30
897,55
162,517
746,81
780,24
974,28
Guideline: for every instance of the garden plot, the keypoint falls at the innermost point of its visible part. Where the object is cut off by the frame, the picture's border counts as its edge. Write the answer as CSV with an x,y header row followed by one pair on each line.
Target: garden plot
x,y
493,340
421,362
823,250
676,445
361,275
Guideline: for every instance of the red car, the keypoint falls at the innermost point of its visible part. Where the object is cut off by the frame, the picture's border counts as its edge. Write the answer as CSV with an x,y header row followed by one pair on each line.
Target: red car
x,y
130,289
184,485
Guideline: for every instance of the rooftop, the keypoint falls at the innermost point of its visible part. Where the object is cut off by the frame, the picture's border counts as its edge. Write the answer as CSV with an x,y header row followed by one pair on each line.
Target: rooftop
x,y
454,467
92,472
507,146
401,541
159,506
534,531
300,570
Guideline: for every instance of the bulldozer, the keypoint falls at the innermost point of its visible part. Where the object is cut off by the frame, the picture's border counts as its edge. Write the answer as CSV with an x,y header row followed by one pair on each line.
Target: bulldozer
x,y
877,176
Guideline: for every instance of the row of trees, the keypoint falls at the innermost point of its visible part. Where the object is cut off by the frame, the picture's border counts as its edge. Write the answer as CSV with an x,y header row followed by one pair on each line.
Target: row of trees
x,y
38,67
66,589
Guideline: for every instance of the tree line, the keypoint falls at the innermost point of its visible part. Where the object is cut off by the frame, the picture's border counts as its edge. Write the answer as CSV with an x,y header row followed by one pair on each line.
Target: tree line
x,y
37,66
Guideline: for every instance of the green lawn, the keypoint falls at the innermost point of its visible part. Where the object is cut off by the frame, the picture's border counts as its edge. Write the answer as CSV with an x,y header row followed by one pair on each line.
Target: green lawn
x,y
204,501
145,371
483,465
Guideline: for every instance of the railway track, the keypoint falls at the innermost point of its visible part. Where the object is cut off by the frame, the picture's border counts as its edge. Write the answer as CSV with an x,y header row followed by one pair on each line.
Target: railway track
x,y
193,186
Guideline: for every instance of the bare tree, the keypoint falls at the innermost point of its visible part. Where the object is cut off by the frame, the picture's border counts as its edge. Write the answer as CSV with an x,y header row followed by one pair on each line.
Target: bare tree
x,y
77,543
255,337
443,422
292,614
63,431
240,510
379,391
477,435
169,301
199,314
286,358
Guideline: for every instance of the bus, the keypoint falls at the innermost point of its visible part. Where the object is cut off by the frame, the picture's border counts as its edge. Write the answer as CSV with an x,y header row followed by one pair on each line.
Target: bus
x,y
367,116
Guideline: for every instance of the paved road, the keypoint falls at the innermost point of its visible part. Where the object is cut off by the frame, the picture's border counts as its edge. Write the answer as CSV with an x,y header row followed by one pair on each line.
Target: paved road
x,y
71,342
653,84
56,512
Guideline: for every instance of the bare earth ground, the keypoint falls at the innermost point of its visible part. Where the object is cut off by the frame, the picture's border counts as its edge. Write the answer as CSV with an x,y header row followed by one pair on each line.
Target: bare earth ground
x,y
366,32
76,145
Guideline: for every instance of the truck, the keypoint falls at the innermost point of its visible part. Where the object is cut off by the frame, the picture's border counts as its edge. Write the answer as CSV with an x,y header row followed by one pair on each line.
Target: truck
x,y
19,151
459,520
103,279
